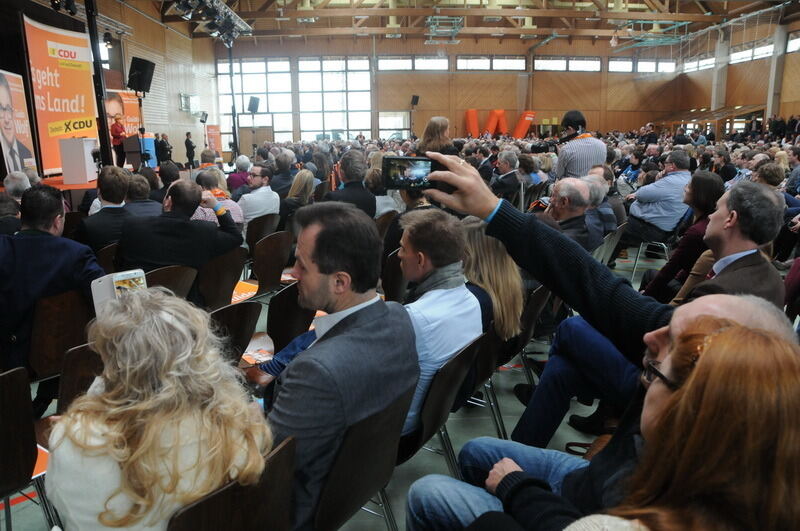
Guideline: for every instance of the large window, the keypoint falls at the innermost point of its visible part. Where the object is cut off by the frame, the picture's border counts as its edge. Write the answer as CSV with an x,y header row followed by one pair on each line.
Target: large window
x,y
395,63
556,64
666,66
620,65
793,43
690,66
270,82
394,125
335,97
646,65
706,63
473,63
741,56
513,62
584,64
766,50
431,63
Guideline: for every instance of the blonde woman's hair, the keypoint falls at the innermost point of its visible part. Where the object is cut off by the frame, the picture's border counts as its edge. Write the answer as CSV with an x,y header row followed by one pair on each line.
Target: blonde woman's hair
x,y
163,368
302,186
487,264
434,137
375,159
545,163
782,160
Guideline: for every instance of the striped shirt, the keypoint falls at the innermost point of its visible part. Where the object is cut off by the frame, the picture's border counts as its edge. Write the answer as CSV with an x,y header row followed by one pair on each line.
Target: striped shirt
x,y
576,157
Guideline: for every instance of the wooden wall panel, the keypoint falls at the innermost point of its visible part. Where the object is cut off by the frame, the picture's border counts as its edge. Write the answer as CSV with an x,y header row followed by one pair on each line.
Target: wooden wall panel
x,y
395,90
790,90
694,90
637,92
747,83
571,90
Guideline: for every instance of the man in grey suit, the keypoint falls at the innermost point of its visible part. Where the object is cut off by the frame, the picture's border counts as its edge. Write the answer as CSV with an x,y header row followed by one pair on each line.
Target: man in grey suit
x,y
364,356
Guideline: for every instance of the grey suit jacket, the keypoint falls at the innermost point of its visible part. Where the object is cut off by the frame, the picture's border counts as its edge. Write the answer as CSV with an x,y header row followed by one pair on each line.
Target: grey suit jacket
x,y
358,368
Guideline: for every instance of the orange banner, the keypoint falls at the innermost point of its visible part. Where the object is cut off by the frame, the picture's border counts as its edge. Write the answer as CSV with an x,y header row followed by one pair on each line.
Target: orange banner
x,y
15,125
214,138
126,103
61,75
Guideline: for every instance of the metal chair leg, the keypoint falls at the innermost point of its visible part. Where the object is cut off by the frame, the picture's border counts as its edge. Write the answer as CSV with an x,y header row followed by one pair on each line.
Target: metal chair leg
x,y
494,406
526,367
636,262
449,453
50,513
7,504
388,515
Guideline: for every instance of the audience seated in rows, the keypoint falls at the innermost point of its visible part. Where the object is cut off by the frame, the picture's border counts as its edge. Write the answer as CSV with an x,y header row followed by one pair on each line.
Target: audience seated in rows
x,y
137,200
260,201
608,303
281,182
600,216
300,194
209,180
569,202
445,315
173,238
166,423
9,215
239,177
363,357
505,180
353,169
35,263
105,226
168,173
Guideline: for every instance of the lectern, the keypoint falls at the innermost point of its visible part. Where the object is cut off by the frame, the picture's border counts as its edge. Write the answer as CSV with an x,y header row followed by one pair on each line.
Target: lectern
x,y
77,163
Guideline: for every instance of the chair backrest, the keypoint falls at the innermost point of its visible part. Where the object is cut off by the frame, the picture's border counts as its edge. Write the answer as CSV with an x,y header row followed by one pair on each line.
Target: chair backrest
x,y
384,220
106,256
321,189
486,359
602,249
81,366
530,314
392,281
237,322
612,244
218,277
17,436
286,319
71,222
259,227
270,256
363,465
263,506
59,323
441,394
177,278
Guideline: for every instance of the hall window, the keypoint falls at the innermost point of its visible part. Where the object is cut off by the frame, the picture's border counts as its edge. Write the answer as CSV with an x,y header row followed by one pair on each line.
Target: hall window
x,y
556,64
706,63
473,63
335,97
395,63
793,43
666,66
514,62
645,66
584,64
741,56
690,66
268,80
394,125
759,52
620,65
431,63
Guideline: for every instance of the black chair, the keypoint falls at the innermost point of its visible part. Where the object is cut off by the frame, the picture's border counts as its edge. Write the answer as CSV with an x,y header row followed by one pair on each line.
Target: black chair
x,y
270,256
384,221
516,345
263,506
237,322
218,277
364,464
436,407
18,451
177,278
286,319
483,368
59,323
107,256
392,281
81,366
71,222
259,228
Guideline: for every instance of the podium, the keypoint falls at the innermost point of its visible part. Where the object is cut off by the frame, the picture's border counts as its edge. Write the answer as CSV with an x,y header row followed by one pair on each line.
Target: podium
x,y
135,145
77,163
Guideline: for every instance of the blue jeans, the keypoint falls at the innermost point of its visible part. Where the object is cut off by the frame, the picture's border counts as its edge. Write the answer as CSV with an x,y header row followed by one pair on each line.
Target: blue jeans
x,y
583,363
439,502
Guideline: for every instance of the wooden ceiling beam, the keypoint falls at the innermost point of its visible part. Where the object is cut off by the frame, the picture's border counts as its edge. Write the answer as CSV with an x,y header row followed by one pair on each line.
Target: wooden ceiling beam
x,y
312,31
541,13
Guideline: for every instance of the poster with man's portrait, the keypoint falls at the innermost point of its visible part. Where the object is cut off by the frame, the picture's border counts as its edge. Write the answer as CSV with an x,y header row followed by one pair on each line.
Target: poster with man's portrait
x,y
15,126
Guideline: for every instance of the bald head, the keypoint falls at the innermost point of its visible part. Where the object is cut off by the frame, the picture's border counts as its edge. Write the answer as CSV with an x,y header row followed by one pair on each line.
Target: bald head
x,y
570,198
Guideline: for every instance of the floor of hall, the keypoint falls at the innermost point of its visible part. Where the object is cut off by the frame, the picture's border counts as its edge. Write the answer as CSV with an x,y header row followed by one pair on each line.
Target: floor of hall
x,y
462,426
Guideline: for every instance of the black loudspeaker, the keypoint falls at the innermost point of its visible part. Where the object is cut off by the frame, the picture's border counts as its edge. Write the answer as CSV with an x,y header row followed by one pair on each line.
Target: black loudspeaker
x,y
252,107
140,74
203,117
414,100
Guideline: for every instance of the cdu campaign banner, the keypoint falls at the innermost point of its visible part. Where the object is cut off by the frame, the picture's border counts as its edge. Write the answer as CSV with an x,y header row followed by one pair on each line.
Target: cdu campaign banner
x,y
214,139
126,104
61,76
15,125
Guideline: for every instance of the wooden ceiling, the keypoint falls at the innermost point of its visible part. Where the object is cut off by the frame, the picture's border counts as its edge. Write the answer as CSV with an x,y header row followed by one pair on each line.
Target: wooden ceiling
x,y
535,19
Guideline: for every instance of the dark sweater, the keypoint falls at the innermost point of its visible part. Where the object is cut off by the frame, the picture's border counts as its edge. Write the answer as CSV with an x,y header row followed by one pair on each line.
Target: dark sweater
x,y
614,308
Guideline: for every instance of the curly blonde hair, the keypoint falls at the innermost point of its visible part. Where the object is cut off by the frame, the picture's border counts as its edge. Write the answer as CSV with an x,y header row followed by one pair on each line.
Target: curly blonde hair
x,y
163,371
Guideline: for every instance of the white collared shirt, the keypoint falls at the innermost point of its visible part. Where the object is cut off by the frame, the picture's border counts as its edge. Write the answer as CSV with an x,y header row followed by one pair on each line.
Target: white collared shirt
x,y
722,263
324,323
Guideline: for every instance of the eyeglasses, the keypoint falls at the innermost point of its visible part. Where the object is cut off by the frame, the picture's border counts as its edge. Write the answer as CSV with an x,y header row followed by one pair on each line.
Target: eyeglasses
x,y
7,109
651,372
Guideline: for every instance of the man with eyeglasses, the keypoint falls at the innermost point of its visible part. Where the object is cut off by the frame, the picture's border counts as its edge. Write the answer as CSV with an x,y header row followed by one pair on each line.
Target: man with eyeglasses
x,y
14,153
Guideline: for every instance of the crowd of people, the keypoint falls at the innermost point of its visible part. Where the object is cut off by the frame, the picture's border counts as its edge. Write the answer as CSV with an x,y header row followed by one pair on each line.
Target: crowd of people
x,y
696,369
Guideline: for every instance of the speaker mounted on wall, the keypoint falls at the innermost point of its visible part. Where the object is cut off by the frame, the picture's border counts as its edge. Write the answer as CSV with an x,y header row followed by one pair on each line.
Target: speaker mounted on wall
x,y
252,107
414,100
203,117
140,74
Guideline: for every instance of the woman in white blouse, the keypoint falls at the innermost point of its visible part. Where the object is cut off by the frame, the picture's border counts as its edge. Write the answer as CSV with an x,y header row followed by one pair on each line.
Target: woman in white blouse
x,y
167,422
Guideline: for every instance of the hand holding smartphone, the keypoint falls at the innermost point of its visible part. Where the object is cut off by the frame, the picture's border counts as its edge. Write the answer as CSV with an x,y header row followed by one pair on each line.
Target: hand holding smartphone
x,y
411,173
